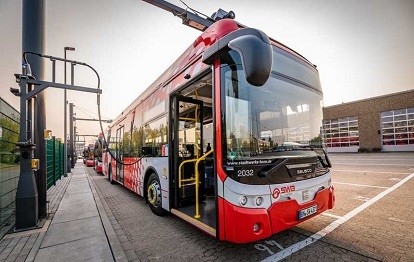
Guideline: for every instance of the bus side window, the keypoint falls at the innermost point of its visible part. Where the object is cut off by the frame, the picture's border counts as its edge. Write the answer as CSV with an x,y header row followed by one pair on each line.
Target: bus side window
x,y
137,133
155,136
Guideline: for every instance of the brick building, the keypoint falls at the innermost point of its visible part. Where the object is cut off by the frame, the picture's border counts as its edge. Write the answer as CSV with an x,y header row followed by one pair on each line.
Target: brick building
x,y
383,123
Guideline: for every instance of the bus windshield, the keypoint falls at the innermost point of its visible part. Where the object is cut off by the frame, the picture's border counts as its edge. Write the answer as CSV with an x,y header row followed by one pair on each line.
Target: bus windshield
x,y
281,119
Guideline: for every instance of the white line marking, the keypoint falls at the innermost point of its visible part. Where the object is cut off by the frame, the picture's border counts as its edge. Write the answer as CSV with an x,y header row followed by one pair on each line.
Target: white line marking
x,y
332,226
360,185
366,164
376,172
279,246
396,220
274,243
362,198
371,159
330,215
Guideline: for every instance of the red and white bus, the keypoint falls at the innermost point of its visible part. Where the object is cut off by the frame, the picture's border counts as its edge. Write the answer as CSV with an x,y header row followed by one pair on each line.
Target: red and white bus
x,y
228,138
97,151
88,155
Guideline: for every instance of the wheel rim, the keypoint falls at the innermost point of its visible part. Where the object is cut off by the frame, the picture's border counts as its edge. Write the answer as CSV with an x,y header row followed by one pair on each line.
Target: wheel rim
x,y
154,194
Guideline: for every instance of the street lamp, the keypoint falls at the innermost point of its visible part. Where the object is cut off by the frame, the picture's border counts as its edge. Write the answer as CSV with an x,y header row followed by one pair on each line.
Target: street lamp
x,y
65,144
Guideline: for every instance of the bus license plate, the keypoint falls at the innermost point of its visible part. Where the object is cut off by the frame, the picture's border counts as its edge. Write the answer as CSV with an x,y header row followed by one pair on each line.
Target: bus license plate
x,y
307,211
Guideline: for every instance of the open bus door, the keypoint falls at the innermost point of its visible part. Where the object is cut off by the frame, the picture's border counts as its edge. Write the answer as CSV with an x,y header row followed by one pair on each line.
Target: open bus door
x,y
192,163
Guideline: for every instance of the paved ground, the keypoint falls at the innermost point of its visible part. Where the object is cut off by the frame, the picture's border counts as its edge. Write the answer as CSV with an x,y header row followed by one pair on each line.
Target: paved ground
x,y
77,228
371,221
24,245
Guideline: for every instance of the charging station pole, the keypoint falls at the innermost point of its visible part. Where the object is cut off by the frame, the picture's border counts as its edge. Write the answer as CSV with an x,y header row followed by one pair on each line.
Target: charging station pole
x,y
31,199
27,197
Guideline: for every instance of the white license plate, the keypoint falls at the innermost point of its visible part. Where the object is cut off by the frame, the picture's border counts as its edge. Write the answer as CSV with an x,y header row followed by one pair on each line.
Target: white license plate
x,y
307,212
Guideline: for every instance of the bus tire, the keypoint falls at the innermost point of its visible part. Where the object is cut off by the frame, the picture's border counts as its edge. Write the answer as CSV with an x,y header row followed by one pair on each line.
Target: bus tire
x,y
110,175
154,195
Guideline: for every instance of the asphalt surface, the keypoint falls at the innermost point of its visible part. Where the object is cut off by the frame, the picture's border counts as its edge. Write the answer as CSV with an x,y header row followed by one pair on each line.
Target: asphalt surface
x,y
372,220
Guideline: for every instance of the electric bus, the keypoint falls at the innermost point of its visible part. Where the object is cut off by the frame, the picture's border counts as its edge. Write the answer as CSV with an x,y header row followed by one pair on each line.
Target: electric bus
x,y
88,155
229,138
97,152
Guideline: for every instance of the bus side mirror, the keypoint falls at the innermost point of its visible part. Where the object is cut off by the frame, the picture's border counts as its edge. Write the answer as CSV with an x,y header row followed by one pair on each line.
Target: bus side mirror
x,y
256,57
254,48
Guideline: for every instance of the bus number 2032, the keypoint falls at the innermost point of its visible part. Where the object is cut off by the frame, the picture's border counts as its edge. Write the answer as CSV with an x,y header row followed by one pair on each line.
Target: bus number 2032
x,y
245,172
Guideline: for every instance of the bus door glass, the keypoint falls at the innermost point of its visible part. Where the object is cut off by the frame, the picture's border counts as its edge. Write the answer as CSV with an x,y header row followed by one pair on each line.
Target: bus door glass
x,y
187,148
119,154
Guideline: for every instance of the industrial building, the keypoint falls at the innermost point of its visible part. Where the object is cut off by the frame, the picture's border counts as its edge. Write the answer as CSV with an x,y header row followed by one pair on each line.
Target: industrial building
x,y
384,123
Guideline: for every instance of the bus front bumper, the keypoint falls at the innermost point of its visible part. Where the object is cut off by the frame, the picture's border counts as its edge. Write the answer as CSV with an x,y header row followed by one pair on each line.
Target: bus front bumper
x,y
244,225
89,162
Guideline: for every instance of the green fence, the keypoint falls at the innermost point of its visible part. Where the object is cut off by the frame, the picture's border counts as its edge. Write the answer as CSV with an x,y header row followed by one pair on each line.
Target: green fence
x,y
54,161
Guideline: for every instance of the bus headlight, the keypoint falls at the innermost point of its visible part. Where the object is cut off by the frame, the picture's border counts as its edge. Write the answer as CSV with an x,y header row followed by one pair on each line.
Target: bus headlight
x,y
259,201
243,200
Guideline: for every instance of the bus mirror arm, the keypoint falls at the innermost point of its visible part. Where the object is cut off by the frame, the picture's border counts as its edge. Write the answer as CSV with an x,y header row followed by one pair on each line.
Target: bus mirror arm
x,y
254,48
328,162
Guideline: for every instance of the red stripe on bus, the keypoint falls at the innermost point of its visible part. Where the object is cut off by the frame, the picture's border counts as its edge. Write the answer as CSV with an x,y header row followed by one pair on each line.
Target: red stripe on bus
x,y
221,174
221,221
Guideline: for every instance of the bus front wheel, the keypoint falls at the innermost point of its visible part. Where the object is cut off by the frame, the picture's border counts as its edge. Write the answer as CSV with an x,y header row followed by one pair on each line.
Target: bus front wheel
x,y
154,196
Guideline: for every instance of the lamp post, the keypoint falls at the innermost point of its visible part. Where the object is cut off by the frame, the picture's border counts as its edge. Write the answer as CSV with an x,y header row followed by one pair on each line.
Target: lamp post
x,y
65,144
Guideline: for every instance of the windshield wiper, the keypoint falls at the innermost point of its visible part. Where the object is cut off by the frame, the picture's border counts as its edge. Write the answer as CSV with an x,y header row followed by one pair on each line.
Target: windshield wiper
x,y
306,148
279,164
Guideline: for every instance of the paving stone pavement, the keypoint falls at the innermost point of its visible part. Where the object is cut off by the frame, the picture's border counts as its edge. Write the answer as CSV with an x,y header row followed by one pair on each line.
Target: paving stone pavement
x,y
124,229
77,228
23,246
146,237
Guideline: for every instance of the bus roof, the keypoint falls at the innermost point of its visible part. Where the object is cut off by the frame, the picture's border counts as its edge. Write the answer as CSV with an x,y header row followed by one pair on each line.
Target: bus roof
x,y
193,53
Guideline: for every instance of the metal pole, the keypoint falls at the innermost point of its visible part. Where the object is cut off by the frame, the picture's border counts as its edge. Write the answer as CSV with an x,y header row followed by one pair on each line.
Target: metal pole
x,y
26,195
27,205
39,123
65,148
74,145
71,133
65,142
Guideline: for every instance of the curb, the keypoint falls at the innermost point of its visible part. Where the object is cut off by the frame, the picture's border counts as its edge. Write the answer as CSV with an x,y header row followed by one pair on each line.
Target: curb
x,y
114,243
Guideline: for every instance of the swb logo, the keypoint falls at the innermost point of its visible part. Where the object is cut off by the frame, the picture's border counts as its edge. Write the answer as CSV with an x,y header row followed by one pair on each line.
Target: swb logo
x,y
286,189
